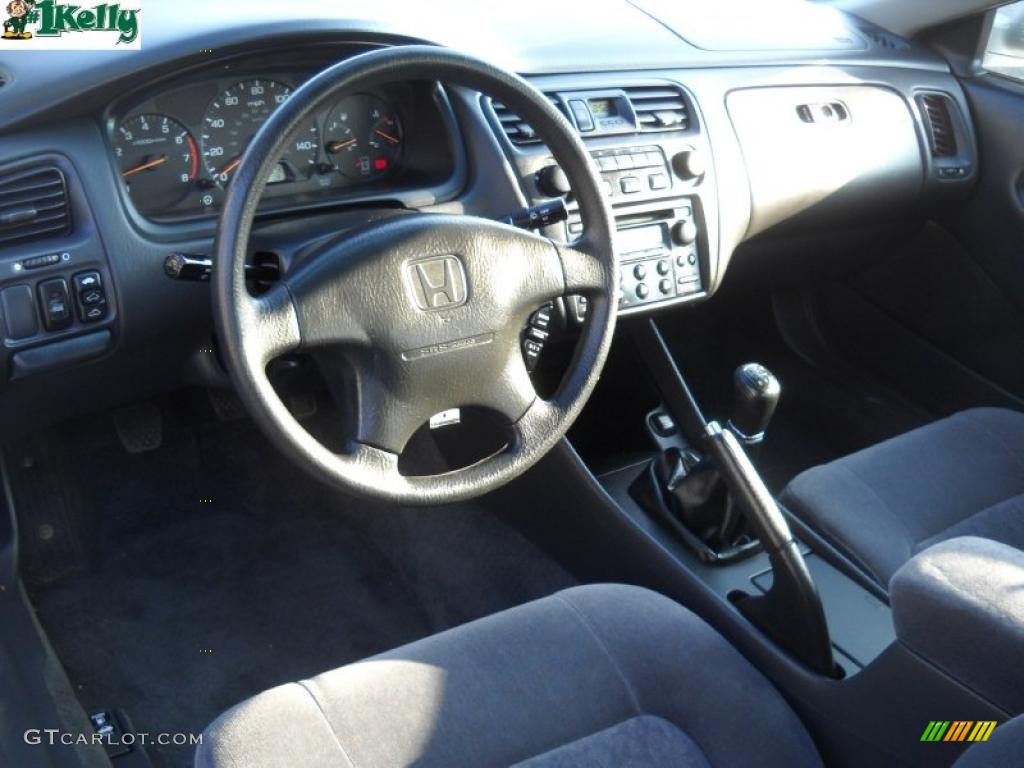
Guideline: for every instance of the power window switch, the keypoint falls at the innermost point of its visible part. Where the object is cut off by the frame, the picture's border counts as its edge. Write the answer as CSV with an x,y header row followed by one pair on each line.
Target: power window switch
x,y
19,312
56,304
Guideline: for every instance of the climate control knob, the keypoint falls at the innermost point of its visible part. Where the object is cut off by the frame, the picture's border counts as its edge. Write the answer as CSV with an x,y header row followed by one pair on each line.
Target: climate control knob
x,y
684,233
690,164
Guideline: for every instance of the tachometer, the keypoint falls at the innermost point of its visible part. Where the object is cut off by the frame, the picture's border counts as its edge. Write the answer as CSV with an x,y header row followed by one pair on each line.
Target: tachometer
x,y
363,137
159,160
234,117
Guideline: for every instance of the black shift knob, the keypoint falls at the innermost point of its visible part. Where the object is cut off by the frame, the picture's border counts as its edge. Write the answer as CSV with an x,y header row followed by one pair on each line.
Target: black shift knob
x,y
757,395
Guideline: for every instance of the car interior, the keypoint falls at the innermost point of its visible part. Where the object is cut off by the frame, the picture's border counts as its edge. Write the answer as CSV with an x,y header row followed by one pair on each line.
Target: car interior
x,y
610,383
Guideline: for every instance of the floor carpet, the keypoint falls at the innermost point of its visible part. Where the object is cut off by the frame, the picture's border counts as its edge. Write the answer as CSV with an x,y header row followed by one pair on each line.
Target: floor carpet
x,y
215,569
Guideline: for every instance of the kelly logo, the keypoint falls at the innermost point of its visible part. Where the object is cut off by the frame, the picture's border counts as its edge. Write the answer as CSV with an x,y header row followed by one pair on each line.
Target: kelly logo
x,y
49,24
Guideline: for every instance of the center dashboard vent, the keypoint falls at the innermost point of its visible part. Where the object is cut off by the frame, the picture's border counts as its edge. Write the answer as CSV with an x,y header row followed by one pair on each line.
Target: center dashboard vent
x,y
33,205
937,110
659,108
518,131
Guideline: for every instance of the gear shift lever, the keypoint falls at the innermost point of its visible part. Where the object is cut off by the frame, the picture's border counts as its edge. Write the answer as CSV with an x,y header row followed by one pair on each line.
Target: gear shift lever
x,y
756,397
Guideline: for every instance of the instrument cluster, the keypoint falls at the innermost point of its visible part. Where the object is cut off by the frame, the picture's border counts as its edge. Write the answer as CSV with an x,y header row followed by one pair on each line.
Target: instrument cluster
x,y
176,151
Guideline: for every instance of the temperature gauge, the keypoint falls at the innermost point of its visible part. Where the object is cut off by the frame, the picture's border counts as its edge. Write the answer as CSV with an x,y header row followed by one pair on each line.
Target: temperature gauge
x,y
363,138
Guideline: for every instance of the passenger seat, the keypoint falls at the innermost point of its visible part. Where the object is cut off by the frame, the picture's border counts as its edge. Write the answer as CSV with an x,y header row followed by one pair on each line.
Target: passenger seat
x,y
961,476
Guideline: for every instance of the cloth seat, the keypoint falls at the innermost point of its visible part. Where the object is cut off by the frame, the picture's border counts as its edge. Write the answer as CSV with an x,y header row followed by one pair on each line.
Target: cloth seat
x,y
961,476
600,676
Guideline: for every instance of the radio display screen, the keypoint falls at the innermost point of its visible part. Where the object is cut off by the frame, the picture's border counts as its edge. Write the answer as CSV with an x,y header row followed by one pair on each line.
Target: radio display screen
x,y
603,108
641,239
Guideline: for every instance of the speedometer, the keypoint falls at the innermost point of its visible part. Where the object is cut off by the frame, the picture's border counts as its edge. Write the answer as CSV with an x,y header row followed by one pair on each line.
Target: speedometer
x,y
234,117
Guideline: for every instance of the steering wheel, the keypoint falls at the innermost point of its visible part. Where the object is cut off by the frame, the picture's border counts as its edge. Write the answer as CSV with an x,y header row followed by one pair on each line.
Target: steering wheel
x,y
427,307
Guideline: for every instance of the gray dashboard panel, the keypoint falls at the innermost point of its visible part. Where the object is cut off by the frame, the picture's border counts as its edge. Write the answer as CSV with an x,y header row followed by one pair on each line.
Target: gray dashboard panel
x,y
863,156
164,325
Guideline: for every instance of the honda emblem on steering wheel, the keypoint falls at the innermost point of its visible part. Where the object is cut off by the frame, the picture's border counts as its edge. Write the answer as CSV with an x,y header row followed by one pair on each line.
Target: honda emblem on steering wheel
x,y
438,282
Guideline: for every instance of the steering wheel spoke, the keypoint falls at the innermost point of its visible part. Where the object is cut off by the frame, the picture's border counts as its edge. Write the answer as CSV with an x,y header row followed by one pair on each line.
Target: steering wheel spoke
x,y
583,267
269,325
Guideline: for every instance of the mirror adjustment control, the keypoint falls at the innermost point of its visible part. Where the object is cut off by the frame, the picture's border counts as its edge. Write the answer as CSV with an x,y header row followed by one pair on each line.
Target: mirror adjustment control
x,y
56,304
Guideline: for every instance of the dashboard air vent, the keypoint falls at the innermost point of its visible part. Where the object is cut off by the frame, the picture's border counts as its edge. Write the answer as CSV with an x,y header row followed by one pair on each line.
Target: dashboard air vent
x,y
659,108
936,108
33,205
518,131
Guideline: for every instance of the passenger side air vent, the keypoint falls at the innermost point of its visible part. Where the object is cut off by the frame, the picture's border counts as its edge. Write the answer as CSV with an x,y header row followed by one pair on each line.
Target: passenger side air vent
x,y
33,205
659,108
518,131
936,108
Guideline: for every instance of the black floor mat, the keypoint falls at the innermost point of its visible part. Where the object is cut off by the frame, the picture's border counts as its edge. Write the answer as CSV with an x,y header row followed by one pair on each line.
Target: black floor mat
x,y
217,570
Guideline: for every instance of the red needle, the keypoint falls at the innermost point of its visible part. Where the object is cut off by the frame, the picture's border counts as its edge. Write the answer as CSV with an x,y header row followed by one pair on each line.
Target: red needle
x,y
336,146
145,166
229,167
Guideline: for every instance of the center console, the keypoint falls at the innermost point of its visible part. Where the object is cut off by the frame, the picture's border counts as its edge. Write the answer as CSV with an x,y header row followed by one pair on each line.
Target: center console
x,y
647,143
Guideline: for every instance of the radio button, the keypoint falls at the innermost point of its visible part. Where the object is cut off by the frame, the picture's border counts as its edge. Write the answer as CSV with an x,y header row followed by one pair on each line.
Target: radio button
x,y
607,163
640,271
665,286
642,291
658,181
664,267
629,185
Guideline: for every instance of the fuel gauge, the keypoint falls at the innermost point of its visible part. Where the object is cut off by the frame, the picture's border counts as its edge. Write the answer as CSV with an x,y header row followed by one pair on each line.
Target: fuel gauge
x,y
363,137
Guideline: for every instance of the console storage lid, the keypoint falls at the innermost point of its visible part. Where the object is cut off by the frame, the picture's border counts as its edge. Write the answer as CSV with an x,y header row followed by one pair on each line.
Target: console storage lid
x,y
960,605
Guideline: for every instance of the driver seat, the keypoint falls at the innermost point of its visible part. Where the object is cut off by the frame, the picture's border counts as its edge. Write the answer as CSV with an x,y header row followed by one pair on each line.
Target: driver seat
x,y
599,676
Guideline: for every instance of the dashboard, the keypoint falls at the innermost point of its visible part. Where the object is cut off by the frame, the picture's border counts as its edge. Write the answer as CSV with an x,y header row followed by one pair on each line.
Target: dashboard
x,y
177,144
704,152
